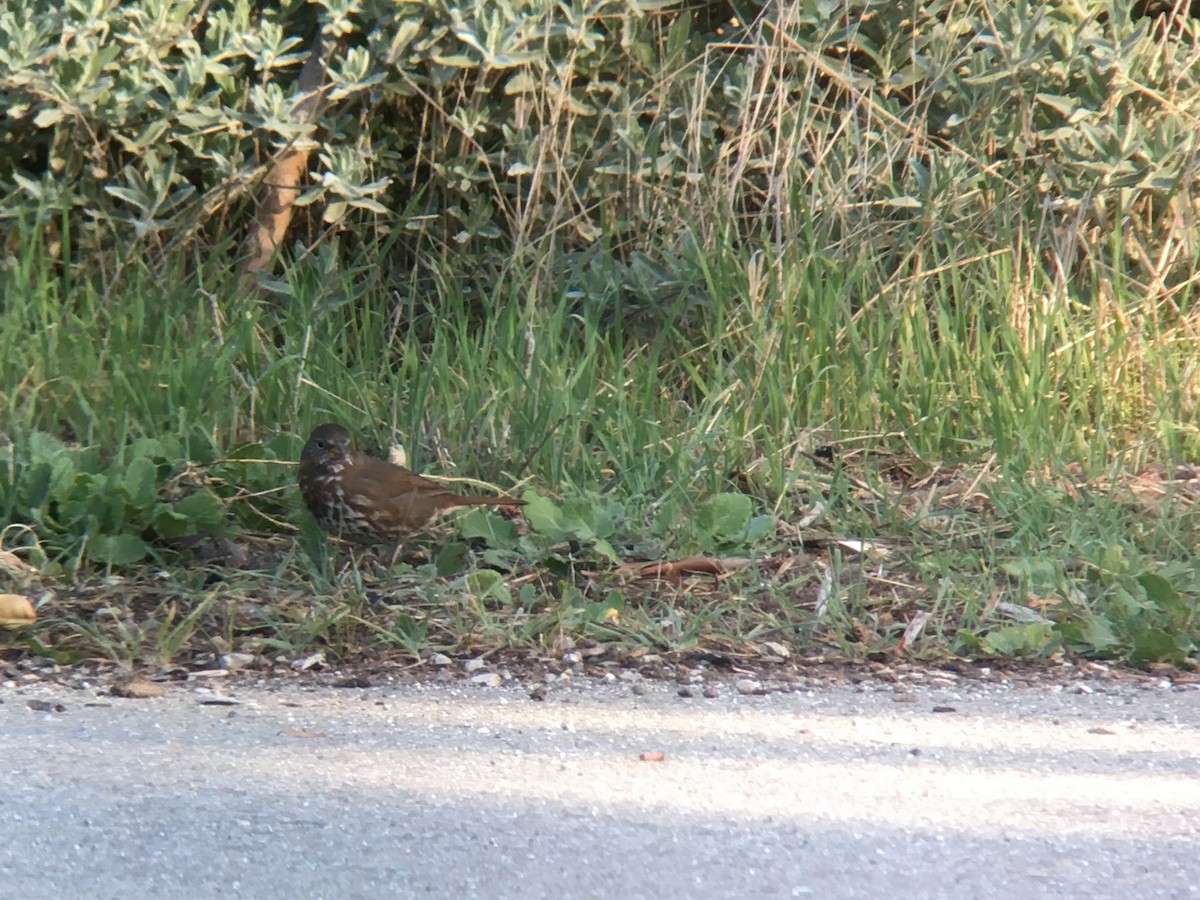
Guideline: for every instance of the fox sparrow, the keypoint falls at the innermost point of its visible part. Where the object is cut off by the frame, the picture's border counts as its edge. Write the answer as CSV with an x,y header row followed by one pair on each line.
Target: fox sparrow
x,y
357,495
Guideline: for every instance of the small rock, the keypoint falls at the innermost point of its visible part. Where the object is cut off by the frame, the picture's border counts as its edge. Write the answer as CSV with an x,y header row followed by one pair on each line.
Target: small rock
x,y
440,659
711,692
639,689
749,686
234,661
685,692
776,649
474,665
487,679
45,706
308,662
538,693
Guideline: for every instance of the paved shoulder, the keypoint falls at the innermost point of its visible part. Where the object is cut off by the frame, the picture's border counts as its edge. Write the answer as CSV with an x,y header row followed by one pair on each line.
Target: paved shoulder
x,y
423,791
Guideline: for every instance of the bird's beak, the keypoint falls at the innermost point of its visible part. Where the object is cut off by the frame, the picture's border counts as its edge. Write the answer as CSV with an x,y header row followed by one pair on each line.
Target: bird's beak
x,y
334,453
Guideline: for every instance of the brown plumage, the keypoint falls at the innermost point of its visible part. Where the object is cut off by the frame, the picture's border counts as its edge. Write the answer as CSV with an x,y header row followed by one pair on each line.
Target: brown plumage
x,y
353,494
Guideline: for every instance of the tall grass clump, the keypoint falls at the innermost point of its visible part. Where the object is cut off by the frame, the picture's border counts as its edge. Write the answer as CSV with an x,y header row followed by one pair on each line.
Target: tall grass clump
x,y
659,250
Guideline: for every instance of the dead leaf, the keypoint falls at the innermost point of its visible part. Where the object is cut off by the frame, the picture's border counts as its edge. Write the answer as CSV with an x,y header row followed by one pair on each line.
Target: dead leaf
x,y
16,610
137,687
1100,729
675,570
913,631
10,562
866,548
652,756
279,190
301,733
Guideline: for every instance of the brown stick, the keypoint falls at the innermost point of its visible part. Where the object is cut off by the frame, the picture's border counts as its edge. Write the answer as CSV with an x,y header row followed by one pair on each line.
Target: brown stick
x,y
278,192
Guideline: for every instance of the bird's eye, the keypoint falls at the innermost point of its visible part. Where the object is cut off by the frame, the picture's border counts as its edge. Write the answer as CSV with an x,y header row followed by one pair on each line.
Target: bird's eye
x,y
320,444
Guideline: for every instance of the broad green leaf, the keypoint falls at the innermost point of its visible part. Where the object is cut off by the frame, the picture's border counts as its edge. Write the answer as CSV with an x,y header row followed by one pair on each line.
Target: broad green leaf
x,y
1156,645
725,517
203,510
140,483
117,549
149,447
62,657
451,558
542,515
1095,632
488,583
1020,640
1160,591
480,524
760,527
605,549
44,447
167,523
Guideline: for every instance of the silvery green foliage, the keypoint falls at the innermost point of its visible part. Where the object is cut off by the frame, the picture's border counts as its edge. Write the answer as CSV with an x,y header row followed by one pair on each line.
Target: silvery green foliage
x,y
465,125
154,116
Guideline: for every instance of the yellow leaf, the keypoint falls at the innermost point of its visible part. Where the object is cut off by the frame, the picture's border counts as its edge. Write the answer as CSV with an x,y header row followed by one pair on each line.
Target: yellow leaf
x,y
16,610
10,562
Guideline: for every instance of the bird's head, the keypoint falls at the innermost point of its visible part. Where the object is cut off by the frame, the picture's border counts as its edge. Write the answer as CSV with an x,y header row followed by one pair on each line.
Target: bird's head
x,y
327,445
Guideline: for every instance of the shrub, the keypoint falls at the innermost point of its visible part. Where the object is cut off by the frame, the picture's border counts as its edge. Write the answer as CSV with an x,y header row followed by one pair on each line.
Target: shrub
x,y
490,128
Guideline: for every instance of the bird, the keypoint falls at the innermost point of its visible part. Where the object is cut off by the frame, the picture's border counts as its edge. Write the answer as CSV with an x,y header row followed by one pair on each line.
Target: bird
x,y
355,495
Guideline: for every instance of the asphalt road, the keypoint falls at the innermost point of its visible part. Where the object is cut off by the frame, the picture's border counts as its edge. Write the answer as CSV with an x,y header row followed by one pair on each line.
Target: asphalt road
x,y
436,791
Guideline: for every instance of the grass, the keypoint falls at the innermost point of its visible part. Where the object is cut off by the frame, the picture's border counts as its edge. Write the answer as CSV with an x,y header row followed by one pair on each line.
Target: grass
x,y
883,394
845,463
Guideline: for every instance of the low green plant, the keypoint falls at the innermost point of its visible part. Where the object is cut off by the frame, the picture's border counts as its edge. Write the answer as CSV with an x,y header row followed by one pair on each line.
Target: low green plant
x,y
107,512
690,290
